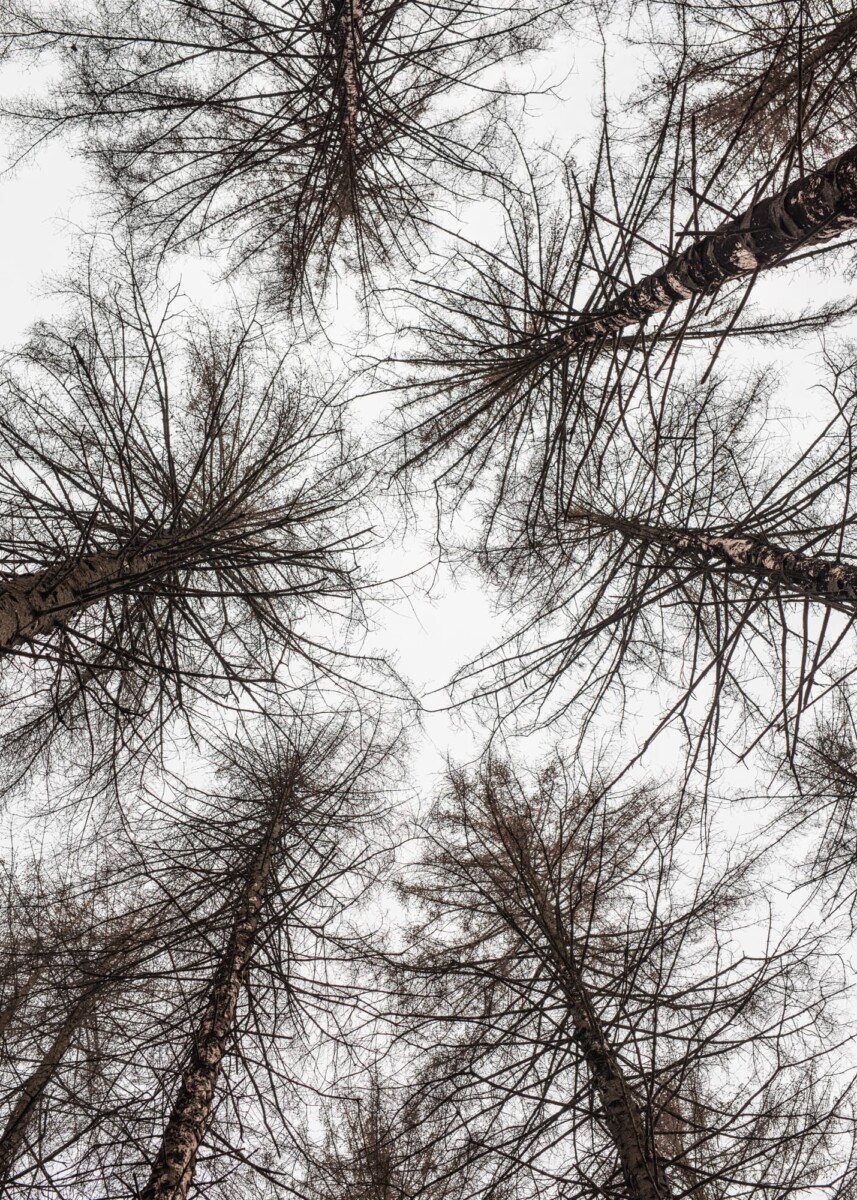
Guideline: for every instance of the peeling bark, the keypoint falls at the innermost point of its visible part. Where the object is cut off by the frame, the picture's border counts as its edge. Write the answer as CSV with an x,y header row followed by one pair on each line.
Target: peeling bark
x,y
173,1167
814,576
33,605
817,578
27,1105
814,209
349,42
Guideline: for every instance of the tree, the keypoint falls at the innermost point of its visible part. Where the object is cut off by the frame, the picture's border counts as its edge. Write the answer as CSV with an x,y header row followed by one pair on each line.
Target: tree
x,y
594,1010
690,563
520,354
295,132
180,517
767,84
94,938
252,962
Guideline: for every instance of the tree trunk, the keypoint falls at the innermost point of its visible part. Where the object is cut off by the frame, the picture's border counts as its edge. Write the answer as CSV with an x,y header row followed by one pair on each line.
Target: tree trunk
x,y
815,577
349,39
32,605
813,209
173,1167
642,1171
13,1136
20,992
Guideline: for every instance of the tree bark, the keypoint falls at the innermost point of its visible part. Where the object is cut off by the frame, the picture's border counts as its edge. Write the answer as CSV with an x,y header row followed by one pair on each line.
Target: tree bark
x,y
642,1171
813,209
813,576
349,40
173,1167
15,1132
33,605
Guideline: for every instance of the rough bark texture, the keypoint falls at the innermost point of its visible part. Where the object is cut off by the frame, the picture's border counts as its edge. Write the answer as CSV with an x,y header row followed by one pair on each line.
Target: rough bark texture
x,y
349,40
32,605
173,1167
817,578
15,1132
814,209
642,1172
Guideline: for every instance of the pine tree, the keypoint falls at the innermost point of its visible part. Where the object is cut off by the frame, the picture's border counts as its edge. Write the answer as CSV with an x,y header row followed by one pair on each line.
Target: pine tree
x,y
589,1005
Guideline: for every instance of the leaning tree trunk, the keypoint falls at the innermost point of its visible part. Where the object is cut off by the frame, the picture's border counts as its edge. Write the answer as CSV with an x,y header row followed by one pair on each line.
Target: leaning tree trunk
x,y
173,1167
814,577
813,209
29,1096
642,1170
20,994
33,605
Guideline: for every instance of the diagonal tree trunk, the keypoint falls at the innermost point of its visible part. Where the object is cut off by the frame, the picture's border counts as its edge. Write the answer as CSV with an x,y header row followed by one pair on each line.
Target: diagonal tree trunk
x,y
642,1171
173,1167
14,1134
813,209
32,605
20,993
814,576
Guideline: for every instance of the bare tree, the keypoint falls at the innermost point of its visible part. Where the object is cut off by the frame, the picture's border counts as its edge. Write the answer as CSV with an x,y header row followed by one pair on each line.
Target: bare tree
x,y
257,997
591,1005
525,351
767,84
694,554
95,945
180,518
295,131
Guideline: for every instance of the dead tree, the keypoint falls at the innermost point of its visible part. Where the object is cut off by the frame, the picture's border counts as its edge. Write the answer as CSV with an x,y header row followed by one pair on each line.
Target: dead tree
x,y
176,505
692,560
93,971
381,1142
765,85
526,351
815,806
261,868
199,1033
292,134
587,1003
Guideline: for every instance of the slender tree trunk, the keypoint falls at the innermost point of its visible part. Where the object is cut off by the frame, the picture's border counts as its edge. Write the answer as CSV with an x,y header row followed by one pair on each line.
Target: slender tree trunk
x,y
813,209
32,605
348,36
816,577
19,997
642,1172
14,1134
173,1167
